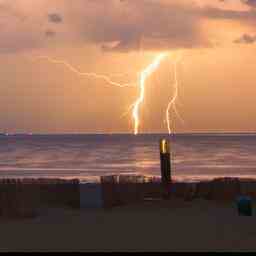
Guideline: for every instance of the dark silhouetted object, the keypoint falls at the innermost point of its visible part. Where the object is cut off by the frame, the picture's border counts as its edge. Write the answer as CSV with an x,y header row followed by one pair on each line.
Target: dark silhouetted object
x,y
165,167
244,204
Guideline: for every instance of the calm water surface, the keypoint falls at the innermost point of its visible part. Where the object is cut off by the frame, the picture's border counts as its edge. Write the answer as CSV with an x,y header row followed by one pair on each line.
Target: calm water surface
x,y
89,156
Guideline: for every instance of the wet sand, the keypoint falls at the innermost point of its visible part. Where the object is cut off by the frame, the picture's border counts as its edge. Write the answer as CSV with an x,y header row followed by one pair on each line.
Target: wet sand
x,y
173,225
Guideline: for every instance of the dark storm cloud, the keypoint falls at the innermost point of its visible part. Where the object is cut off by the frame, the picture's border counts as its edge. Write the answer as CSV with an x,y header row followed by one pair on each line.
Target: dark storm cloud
x,y
50,33
112,24
125,25
246,39
251,3
217,13
55,18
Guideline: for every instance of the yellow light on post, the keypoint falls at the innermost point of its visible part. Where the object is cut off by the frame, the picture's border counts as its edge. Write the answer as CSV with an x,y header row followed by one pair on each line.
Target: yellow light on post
x,y
164,146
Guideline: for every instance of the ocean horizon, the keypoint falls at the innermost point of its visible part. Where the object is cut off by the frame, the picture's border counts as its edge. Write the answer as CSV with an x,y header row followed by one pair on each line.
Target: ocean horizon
x,y
194,156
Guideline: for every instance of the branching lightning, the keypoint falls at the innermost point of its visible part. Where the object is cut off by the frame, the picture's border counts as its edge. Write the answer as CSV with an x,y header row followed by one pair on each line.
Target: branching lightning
x,y
172,102
107,79
141,83
142,80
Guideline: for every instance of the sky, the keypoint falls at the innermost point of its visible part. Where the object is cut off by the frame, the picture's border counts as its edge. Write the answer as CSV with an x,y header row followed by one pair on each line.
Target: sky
x,y
214,41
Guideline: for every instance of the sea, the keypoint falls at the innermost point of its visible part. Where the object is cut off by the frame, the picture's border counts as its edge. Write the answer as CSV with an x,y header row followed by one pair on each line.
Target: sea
x,y
88,156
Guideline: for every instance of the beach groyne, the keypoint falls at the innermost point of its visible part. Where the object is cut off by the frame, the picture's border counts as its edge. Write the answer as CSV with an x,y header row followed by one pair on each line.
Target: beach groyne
x,y
118,192
28,197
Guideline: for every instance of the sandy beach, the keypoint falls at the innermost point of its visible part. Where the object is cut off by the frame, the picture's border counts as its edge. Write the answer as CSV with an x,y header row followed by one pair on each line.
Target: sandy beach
x,y
175,225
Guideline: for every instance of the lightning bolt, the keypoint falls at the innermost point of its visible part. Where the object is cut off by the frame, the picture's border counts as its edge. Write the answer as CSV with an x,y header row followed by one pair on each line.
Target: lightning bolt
x,y
105,78
142,80
143,76
172,103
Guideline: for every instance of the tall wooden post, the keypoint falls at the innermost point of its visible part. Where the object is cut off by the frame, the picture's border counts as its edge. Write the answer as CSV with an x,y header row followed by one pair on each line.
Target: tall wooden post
x,y
165,167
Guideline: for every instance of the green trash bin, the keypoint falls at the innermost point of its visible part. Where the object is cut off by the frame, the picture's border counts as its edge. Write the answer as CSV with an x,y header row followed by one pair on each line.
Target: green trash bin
x,y
244,205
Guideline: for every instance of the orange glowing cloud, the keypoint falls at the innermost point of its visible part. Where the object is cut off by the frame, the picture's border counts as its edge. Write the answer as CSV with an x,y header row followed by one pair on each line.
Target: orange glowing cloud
x,y
114,24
